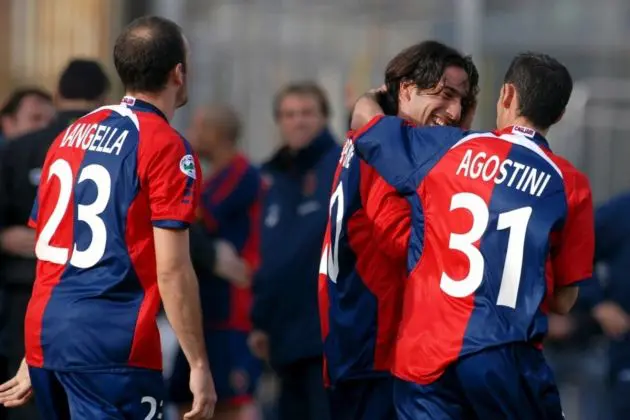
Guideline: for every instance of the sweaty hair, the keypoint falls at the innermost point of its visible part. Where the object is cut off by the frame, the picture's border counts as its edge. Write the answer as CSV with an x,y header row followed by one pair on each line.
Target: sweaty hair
x,y
83,80
543,86
424,64
145,53
304,89
13,103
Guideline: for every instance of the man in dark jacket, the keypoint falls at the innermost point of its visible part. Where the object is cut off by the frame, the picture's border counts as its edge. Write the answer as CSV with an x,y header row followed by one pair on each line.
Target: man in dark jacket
x,y
609,298
82,87
294,215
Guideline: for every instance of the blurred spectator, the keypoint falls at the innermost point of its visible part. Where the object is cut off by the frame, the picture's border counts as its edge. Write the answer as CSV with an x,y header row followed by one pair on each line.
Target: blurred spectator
x,y
610,297
295,212
26,110
82,87
225,250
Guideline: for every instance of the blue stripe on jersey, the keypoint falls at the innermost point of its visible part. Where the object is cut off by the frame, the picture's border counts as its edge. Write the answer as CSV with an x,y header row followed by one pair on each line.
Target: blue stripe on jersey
x,y
492,324
351,341
90,314
416,238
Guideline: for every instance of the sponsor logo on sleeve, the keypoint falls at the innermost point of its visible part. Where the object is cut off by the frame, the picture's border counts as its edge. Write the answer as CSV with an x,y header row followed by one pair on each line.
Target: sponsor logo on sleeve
x,y
187,166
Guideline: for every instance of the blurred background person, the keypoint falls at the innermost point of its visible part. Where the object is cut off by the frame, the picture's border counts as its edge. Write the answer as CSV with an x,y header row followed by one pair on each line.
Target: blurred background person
x,y
295,211
225,251
82,87
27,109
610,297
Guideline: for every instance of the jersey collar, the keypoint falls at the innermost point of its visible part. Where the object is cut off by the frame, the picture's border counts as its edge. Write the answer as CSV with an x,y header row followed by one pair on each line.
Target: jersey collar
x,y
530,133
140,105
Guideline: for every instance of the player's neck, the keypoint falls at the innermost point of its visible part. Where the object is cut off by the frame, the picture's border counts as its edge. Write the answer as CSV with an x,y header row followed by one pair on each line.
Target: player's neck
x,y
524,122
161,102
222,157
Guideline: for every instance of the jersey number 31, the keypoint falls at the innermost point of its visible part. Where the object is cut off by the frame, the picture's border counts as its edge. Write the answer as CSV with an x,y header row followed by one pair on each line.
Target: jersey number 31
x,y
88,214
516,221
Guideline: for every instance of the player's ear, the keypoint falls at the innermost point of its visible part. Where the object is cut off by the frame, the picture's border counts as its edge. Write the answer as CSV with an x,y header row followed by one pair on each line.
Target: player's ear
x,y
179,74
508,95
407,90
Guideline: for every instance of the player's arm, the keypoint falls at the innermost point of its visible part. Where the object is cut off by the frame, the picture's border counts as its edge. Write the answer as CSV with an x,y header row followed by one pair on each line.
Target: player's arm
x,y
179,290
573,261
401,153
173,190
389,212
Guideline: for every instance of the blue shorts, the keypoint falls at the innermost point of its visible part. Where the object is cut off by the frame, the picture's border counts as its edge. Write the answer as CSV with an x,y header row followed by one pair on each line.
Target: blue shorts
x,y
367,399
507,382
116,394
234,369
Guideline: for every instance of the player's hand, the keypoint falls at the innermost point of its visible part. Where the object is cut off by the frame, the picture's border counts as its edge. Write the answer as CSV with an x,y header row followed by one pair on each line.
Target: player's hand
x,y
204,395
19,240
17,391
366,108
560,327
613,319
230,265
258,343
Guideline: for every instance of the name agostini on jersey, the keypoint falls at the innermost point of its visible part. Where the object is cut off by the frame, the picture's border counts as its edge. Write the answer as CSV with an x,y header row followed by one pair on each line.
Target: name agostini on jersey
x,y
95,137
516,175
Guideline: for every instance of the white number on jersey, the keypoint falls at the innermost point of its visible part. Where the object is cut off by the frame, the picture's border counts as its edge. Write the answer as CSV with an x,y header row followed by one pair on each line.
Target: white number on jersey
x,y
515,220
153,407
86,213
329,264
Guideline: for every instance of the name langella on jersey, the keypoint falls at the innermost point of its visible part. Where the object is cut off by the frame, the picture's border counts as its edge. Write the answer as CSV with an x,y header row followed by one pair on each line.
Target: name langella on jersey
x,y
520,176
95,137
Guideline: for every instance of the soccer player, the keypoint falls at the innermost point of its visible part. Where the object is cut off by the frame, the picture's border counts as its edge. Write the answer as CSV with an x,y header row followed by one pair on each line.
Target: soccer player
x,y
119,189
361,280
502,231
230,214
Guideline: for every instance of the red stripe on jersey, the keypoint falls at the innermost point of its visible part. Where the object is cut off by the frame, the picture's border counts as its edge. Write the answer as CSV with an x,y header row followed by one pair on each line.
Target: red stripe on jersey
x,y
434,323
251,249
231,181
382,275
48,274
323,299
145,347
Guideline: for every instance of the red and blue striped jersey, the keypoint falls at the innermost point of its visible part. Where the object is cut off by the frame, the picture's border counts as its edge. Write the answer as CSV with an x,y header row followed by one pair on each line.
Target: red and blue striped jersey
x,y
107,180
498,222
230,210
361,275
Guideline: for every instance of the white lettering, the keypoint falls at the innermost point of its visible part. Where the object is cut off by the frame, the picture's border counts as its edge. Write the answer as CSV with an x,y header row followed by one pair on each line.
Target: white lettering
x,y
465,164
492,169
477,166
95,137
488,176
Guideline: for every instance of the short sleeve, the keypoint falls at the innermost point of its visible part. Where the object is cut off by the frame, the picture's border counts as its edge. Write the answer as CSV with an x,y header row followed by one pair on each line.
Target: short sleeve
x,y
402,153
574,259
172,175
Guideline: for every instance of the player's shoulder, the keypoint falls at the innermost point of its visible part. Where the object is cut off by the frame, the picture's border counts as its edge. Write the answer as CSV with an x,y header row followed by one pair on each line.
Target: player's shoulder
x,y
572,177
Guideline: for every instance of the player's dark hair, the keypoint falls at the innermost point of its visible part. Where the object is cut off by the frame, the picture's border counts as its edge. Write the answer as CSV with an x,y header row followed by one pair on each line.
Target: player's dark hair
x,y
14,102
84,80
306,88
424,64
543,86
145,53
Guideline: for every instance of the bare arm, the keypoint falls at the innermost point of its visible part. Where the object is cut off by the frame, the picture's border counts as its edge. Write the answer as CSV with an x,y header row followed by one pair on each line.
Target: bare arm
x,y
564,298
180,293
